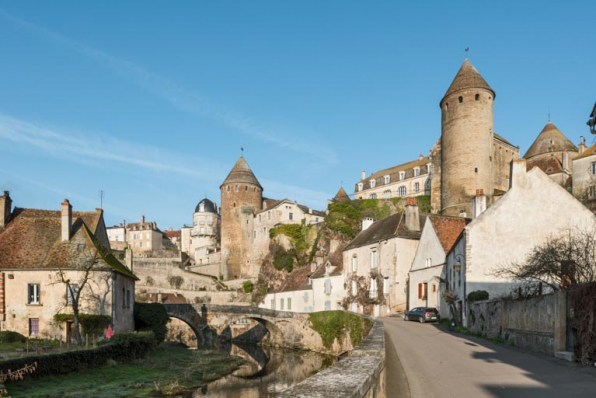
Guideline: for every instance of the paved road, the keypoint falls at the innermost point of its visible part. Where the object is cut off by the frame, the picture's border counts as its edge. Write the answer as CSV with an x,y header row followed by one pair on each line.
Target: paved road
x,y
440,364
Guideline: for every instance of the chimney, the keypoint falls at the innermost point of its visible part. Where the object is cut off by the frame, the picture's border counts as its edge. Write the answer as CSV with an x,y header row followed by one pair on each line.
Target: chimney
x,y
367,222
565,161
412,215
517,173
5,206
478,203
66,220
128,258
582,145
363,175
142,219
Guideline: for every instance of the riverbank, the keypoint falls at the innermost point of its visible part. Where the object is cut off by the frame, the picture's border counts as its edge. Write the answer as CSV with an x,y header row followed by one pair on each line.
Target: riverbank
x,y
170,370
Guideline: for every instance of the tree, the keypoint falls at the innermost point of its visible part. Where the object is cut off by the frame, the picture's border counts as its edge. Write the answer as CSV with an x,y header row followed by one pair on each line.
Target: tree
x,y
560,263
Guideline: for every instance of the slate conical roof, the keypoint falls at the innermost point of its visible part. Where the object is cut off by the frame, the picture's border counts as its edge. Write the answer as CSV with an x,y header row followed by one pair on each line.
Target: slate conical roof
x,y
241,173
550,139
341,196
468,77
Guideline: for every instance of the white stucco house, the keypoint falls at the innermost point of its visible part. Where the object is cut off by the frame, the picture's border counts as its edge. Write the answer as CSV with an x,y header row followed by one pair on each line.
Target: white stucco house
x,y
534,209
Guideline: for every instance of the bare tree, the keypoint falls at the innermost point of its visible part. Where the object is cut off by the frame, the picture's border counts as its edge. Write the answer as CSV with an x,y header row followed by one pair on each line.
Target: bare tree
x,y
559,263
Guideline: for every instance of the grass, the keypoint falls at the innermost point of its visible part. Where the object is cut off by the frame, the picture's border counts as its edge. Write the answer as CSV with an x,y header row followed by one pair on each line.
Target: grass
x,y
18,349
170,370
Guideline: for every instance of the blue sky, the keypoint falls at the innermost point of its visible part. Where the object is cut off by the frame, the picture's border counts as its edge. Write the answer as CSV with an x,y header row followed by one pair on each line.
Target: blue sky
x,y
152,101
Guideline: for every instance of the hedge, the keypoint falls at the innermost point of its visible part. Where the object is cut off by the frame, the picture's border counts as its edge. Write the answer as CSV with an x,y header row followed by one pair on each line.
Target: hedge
x,y
152,317
122,347
11,337
90,324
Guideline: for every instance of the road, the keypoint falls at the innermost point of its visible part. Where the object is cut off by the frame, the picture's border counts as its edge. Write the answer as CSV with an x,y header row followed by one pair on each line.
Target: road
x,y
428,361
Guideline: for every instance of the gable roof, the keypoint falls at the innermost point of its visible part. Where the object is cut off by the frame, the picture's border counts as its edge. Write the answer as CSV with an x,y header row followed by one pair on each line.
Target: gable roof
x,y
390,227
297,280
400,167
448,229
550,165
272,204
341,196
33,240
241,173
591,151
173,234
550,139
467,77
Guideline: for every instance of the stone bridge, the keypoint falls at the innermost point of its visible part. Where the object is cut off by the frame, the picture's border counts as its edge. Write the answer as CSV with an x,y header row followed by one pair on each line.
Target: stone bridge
x,y
283,328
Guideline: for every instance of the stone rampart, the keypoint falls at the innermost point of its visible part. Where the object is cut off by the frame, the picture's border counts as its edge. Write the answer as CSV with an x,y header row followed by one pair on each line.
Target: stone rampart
x,y
360,375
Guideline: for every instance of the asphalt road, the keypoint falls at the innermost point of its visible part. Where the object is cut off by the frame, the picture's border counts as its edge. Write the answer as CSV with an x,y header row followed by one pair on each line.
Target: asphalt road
x,y
428,361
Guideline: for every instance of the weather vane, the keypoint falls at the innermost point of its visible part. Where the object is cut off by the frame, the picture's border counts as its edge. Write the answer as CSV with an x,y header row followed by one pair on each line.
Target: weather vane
x,y
467,50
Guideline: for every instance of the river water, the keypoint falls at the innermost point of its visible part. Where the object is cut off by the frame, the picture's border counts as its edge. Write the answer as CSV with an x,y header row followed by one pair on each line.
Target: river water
x,y
267,372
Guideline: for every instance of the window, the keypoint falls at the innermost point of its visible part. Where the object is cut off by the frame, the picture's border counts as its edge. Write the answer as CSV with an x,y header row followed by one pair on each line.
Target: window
x,y
202,220
401,191
33,293
140,244
434,288
327,305
387,194
306,297
373,183
387,179
33,326
74,288
416,171
354,264
402,175
360,186
202,207
291,216
354,288
593,167
373,196
461,99
210,220
429,262
386,285
427,187
281,304
272,304
269,215
477,97
327,286
246,188
228,188
289,303
417,187
354,307
123,298
259,217
236,188
134,236
592,192
422,291
202,230
128,303
373,259
373,293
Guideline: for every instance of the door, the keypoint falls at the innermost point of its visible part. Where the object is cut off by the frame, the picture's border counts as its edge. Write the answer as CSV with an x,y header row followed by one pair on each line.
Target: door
x,y
70,332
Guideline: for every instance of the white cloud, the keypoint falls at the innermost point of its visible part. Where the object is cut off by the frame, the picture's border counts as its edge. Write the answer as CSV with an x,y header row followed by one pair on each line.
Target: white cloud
x,y
184,99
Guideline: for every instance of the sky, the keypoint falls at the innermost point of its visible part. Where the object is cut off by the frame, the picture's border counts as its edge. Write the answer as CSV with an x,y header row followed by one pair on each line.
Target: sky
x,y
151,102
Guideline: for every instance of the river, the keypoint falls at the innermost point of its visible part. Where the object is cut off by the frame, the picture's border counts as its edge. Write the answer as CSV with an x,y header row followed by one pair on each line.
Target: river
x,y
267,372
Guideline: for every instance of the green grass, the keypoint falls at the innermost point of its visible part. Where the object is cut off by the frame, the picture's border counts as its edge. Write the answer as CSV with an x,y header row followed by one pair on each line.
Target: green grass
x,y
170,370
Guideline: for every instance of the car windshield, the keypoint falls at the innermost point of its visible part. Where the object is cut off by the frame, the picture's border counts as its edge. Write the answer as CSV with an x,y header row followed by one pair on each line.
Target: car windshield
x,y
432,310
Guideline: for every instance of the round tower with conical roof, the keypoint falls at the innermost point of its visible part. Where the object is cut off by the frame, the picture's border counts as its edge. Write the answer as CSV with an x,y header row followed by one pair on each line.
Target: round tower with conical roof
x,y
241,198
466,140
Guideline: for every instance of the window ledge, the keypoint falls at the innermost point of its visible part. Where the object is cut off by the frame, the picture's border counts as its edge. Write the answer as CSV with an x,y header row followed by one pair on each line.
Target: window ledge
x,y
34,305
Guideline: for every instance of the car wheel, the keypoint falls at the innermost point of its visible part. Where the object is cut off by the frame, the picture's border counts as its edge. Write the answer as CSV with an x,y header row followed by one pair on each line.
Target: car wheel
x,y
406,318
421,319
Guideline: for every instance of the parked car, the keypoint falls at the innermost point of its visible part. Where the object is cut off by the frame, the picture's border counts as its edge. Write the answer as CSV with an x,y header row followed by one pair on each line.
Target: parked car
x,y
423,314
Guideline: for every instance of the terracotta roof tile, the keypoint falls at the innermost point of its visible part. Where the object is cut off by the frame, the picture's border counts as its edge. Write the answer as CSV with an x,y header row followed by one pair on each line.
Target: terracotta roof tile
x,y
550,165
448,229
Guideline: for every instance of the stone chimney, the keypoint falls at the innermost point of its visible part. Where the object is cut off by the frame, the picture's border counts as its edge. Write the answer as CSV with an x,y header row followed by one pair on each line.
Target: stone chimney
x,y
142,219
517,173
412,215
128,258
582,145
363,175
367,222
565,160
478,203
66,220
5,206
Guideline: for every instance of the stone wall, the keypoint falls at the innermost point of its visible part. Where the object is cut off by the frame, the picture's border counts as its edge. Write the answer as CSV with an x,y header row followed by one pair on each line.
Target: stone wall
x,y
537,324
360,375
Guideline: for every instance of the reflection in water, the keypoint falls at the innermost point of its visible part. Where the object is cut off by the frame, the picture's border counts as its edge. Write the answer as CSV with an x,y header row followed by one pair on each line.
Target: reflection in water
x,y
267,372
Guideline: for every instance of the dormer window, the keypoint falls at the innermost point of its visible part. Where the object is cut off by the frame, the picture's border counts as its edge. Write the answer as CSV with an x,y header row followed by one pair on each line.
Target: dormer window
x,y
416,171
402,175
373,183
360,186
387,179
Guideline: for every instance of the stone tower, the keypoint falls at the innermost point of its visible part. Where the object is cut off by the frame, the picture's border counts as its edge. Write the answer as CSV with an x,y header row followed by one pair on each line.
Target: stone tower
x,y
466,141
241,198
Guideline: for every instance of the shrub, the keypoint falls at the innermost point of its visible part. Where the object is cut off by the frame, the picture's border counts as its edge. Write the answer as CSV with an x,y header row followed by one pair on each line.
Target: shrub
x,y
122,347
176,281
478,295
284,259
247,286
12,337
332,325
90,324
152,317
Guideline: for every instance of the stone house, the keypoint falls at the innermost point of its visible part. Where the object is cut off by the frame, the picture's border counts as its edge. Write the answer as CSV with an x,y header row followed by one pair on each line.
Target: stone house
x,y
296,294
328,285
404,180
141,237
37,247
506,233
584,177
428,267
377,262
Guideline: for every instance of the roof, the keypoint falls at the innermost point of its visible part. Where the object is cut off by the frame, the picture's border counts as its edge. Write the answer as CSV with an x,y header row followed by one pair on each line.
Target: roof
x,y
591,151
500,138
401,167
166,298
33,240
271,204
173,234
142,226
550,139
241,173
297,280
341,196
387,228
467,77
448,229
550,165
208,207
336,260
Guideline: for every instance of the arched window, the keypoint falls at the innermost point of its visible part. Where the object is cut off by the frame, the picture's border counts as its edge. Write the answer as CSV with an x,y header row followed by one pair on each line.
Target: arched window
x,y
402,191
417,187
373,183
387,194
